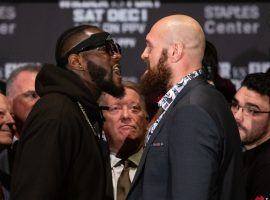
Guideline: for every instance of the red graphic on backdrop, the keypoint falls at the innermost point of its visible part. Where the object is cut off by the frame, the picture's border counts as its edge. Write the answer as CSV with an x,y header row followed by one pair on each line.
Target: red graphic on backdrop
x,y
260,198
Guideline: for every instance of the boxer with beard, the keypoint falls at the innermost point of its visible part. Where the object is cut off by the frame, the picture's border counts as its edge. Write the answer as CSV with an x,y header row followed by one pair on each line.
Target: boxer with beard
x,y
59,155
154,83
192,150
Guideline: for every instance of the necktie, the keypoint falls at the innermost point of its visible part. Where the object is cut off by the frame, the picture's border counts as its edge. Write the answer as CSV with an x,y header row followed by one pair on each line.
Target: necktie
x,y
1,192
124,183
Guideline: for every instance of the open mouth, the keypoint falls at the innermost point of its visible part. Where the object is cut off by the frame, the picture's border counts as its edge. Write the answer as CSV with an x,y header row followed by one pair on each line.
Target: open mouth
x,y
116,69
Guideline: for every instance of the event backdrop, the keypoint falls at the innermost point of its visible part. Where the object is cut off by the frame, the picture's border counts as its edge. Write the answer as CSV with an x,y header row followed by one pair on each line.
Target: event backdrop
x,y
240,31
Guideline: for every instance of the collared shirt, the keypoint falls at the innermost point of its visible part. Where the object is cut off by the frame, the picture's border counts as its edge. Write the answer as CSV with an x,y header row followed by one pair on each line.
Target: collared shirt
x,y
170,96
117,168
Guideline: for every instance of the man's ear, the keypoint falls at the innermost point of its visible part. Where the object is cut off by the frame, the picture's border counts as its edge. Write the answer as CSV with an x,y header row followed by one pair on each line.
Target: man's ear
x,y
175,52
74,62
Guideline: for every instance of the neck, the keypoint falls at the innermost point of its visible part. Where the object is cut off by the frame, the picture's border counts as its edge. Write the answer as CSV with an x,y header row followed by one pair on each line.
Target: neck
x,y
265,137
85,77
180,74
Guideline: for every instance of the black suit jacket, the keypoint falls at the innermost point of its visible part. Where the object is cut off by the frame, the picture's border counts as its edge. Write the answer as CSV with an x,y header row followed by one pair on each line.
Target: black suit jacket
x,y
194,152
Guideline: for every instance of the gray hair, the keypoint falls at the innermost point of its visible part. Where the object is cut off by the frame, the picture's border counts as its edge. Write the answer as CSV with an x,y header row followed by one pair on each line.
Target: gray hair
x,y
28,68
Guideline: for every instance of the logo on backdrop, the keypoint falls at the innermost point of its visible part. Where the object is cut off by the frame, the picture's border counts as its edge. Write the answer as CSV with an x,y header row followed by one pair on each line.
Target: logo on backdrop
x,y
231,19
123,19
7,20
238,73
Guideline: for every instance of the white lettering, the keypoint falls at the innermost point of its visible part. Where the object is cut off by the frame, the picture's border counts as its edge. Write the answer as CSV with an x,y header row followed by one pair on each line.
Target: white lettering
x,y
238,27
7,28
126,42
7,13
231,12
225,69
111,27
88,15
123,15
133,27
254,67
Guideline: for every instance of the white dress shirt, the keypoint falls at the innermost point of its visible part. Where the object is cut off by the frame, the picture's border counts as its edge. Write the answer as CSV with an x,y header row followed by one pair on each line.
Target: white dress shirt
x,y
117,168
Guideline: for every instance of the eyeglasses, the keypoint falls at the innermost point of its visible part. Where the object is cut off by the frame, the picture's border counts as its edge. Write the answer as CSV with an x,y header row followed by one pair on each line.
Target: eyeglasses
x,y
247,110
110,47
116,109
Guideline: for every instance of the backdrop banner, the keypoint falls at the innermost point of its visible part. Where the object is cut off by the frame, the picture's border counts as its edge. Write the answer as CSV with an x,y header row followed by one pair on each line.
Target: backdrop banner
x,y
240,31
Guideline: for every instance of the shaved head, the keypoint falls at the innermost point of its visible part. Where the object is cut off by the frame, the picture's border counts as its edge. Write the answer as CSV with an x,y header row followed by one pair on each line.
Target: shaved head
x,y
175,45
71,37
182,29
76,38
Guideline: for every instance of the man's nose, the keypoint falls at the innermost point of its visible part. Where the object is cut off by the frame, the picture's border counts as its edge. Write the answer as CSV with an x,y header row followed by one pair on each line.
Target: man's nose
x,y
238,115
144,55
9,119
125,114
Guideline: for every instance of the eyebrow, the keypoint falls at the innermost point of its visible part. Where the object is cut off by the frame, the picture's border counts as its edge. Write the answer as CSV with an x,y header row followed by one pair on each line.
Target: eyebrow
x,y
247,104
253,105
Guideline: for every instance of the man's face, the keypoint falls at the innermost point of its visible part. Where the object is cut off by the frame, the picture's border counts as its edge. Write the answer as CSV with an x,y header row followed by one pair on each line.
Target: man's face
x,y
252,128
7,127
104,70
155,80
23,94
126,119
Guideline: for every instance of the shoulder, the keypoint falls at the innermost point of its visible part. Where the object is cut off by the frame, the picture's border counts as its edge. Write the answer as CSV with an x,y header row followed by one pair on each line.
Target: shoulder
x,y
53,112
55,106
192,119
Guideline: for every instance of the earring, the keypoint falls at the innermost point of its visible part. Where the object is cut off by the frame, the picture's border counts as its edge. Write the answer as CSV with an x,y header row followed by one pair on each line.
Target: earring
x,y
81,68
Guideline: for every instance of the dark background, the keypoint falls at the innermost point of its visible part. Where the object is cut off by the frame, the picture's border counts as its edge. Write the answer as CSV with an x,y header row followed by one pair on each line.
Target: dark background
x,y
29,30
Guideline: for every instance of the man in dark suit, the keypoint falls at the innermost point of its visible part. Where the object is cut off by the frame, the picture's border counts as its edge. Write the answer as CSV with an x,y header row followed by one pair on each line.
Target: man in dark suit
x,y
7,131
124,127
193,148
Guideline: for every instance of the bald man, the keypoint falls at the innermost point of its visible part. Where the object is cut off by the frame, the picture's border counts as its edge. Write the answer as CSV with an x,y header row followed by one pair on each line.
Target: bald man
x,y
193,148
59,154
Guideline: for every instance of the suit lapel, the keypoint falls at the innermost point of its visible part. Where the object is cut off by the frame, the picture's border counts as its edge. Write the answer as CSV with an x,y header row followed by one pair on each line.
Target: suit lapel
x,y
191,84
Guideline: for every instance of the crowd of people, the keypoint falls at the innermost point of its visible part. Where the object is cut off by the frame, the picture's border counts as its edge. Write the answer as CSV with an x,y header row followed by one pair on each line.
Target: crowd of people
x,y
75,130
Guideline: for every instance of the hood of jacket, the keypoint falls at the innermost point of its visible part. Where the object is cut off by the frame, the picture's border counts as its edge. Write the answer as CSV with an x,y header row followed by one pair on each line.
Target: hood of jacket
x,y
53,79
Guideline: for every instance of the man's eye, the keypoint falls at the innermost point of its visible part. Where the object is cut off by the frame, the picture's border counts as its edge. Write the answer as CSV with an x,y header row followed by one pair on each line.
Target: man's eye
x,y
34,95
149,49
251,110
31,95
115,108
136,108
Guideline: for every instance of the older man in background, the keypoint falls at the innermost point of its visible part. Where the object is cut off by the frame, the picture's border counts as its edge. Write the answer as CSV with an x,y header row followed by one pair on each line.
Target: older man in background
x,y
124,127
21,93
7,131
